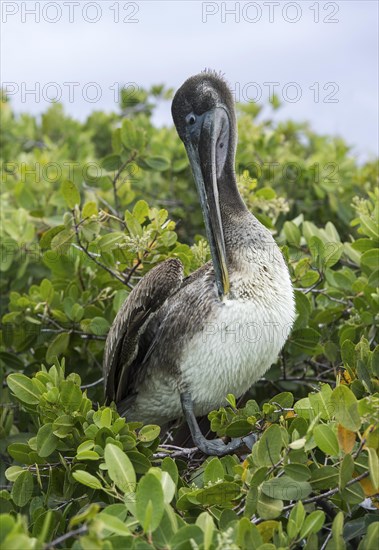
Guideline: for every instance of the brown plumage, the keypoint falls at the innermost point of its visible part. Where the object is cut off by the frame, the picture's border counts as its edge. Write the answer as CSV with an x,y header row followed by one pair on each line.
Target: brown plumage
x,y
142,303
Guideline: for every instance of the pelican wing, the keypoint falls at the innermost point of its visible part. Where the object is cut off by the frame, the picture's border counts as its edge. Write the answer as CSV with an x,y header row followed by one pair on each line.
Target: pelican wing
x,y
122,345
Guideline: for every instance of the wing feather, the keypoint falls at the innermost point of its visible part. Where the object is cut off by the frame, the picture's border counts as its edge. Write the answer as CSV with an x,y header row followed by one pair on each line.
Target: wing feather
x,y
122,343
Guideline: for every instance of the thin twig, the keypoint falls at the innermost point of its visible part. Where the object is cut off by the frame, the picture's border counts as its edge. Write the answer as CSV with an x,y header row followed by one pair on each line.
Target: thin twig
x,y
93,384
115,179
327,540
60,329
329,493
94,259
110,208
323,292
80,531
177,452
311,288
139,261
83,335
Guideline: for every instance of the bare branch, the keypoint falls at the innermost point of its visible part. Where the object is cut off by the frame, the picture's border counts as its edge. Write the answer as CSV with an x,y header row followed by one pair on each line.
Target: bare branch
x,y
75,532
93,384
94,258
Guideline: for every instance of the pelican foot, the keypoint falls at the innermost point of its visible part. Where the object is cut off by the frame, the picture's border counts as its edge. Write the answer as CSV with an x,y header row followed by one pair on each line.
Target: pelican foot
x,y
217,447
249,440
213,446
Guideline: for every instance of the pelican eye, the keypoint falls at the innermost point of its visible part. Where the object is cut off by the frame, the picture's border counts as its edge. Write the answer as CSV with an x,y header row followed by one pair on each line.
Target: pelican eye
x,y
190,119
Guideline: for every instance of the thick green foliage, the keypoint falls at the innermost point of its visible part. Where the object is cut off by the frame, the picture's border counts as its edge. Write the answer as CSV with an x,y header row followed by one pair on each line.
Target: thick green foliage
x,y
85,216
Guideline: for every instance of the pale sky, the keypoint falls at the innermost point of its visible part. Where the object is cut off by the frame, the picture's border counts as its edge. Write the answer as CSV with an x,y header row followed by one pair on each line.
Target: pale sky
x,y
321,58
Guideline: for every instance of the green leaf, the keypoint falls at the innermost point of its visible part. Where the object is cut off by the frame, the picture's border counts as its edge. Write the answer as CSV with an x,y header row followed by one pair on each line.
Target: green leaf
x,y
346,470
166,529
304,340
70,193
207,525
369,227
24,389
133,225
187,538
248,535
70,395
149,433
373,464
168,486
286,488
332,233
292,233
157,163
87,455
13,472
269,446
296,520
57,347
90,209
214,471
111,163
326,439
219,493
297,471
141,463
317,249
141,211
348,353
106,418
370,541
230,398
86,446
11,360
238,428
370,259
99,326
89,230
120,468
319,402
110,241
87,479
325,477
113,524
149,502
128,134
22,453
303,309
47,442
269,508
283,399
338,542
48,235
169,465
61,243
312,524
332,253
22,489
353,494
345,406
362,245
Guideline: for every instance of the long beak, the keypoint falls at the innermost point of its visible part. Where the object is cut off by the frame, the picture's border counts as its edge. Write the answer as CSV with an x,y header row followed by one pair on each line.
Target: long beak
x,y
202,158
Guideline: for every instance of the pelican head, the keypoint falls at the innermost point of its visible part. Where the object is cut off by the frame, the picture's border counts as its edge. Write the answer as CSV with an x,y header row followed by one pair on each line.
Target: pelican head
x,y
204,116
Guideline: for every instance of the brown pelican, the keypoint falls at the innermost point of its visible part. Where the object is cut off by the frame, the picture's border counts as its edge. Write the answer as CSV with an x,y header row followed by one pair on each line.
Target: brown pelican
x,y
179,345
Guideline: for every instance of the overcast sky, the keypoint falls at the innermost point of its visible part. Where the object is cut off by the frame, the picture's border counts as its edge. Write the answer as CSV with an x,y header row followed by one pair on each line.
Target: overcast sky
x,y
320,57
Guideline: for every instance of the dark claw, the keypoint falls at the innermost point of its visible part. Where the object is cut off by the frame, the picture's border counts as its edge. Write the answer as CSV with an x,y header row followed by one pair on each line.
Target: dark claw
x,y
214,446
